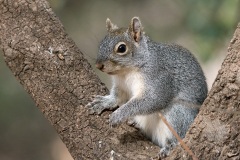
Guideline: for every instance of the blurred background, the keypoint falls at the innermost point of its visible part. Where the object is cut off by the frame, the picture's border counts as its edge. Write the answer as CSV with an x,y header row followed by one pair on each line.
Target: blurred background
x,y
204,27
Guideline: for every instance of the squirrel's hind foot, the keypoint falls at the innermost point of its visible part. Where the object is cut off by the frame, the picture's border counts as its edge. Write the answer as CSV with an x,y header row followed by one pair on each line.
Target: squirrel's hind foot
x,y
164,151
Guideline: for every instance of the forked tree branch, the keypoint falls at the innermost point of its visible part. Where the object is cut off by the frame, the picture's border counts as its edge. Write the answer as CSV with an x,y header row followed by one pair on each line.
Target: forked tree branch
x,y
55,73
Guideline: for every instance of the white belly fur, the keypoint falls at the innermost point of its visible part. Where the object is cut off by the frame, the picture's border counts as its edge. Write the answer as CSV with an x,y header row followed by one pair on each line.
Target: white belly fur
x,y
131,85
154,128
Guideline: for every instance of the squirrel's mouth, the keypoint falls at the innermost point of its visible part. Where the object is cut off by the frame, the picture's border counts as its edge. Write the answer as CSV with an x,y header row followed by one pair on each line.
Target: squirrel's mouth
x,y
111,73
108,72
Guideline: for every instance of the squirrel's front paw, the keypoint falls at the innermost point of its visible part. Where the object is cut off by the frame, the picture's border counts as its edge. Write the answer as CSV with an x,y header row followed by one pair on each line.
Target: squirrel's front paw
x,y
97,105
101,103
115,119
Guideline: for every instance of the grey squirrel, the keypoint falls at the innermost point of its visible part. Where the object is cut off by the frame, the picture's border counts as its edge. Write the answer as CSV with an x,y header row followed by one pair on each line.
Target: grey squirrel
x,y
149,78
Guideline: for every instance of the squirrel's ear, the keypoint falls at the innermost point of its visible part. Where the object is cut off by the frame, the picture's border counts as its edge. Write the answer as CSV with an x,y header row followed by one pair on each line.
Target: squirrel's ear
x,y
110,26
136,29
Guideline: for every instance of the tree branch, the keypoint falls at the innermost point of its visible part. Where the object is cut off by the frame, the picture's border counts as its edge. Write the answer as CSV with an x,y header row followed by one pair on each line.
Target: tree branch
x,y
215,132
55,73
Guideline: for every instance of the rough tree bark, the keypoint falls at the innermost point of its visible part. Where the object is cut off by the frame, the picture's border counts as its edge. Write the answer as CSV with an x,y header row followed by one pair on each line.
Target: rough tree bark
x,y
215,132
55,73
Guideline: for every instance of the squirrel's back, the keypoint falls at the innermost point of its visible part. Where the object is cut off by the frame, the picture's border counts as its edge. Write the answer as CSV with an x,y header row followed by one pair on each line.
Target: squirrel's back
x,y
188,77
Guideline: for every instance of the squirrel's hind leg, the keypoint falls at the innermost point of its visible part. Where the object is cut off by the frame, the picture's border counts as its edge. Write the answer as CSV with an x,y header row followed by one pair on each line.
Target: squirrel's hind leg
x,y
156,130
180,116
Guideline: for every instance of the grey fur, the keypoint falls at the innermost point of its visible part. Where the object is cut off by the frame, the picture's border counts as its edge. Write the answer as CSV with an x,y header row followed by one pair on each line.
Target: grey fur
x,y
174,83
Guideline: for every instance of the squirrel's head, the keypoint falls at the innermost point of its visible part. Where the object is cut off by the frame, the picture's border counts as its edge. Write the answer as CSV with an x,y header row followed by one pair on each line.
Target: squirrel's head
x,y
122,48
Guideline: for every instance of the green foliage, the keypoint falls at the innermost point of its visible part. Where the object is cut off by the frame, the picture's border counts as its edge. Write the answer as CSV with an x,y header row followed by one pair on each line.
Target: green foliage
x,y
211,22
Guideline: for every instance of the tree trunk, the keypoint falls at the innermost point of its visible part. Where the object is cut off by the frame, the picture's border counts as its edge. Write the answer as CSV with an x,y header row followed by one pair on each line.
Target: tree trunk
x,y
215,132
55,73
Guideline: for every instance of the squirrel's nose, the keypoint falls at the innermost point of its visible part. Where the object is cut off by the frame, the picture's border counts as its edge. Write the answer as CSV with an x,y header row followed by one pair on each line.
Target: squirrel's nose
x,y
99,66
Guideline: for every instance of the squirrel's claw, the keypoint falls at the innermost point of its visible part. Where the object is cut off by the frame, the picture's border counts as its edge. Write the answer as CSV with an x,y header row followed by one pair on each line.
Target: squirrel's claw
x,y
94,108
164,151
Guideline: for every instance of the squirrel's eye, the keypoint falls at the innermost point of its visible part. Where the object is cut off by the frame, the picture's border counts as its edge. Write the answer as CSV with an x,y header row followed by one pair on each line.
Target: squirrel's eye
x,y
121,48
